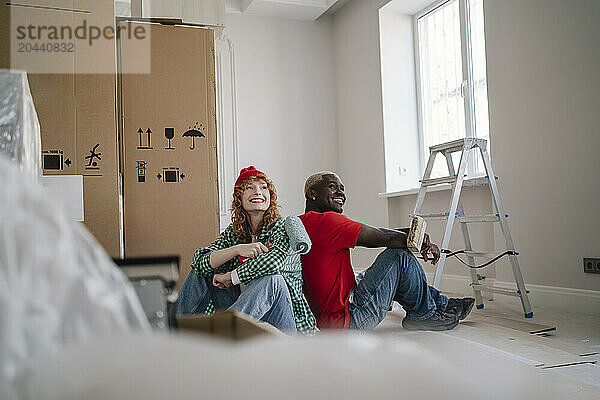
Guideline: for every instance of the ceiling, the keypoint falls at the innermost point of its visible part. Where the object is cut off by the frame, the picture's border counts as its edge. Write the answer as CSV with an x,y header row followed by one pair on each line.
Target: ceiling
x,y
408,7
310,10
307,10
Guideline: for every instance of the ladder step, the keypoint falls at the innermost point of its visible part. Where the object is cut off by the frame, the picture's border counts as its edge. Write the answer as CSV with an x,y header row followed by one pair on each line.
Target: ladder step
x,y
493,289
478,218
438,181
431,216
475,182
460,218
455,145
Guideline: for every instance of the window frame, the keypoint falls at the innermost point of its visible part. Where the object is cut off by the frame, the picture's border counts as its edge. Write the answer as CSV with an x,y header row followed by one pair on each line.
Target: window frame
x,y
468,84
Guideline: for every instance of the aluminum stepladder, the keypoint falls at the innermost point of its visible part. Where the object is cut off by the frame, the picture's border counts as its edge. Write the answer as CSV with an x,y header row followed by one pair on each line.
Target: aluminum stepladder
x,y
467,147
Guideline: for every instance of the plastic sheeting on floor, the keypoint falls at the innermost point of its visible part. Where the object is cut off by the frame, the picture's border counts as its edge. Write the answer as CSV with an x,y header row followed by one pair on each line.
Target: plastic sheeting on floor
x,y
57,284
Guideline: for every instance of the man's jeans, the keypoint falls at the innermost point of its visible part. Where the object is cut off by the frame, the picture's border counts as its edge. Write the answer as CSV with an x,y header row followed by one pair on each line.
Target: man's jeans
x,y
395,275
266,298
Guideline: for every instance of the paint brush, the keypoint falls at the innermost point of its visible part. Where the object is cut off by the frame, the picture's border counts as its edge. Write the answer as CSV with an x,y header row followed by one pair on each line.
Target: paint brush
x,y
416,234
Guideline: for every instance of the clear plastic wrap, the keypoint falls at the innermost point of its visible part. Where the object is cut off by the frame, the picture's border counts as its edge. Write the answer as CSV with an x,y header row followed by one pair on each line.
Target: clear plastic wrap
x,y
19,126
57,284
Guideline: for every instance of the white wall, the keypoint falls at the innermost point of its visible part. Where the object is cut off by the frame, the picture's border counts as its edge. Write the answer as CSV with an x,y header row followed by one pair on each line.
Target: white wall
x,y
542,63
359,115
543,58
285,100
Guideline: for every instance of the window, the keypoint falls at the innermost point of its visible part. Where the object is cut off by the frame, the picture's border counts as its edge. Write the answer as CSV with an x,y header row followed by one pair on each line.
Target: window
x,y
451,81
123,8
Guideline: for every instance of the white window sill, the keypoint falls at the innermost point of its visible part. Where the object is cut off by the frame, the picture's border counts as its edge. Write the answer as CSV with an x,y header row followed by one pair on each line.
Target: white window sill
x,y
471,182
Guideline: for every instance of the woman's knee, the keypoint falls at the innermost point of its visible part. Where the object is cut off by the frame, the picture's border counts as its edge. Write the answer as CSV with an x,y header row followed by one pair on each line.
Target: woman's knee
x,y
191,294
193,282
276,282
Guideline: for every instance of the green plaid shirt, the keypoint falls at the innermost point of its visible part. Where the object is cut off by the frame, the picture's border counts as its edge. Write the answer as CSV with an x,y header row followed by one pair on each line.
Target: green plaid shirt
x,y
273,262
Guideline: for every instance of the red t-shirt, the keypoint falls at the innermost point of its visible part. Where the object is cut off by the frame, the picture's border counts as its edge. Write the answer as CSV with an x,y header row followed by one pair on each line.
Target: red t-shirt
x,y
328,274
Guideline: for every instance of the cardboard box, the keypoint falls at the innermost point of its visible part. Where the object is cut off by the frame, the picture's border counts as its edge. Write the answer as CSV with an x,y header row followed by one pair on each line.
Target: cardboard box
x,y
76,104
201,12
170,182
228,324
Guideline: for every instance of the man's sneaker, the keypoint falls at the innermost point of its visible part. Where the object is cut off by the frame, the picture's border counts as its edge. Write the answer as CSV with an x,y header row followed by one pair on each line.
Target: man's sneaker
x,y
460,307
439,321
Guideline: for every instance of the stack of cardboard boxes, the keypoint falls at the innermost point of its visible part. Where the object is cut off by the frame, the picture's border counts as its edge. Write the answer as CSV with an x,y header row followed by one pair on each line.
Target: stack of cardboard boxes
x,y
149,141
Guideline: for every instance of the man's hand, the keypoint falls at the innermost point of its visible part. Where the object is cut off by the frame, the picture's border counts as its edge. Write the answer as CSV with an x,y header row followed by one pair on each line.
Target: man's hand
x,y
429,247
222,281
251,250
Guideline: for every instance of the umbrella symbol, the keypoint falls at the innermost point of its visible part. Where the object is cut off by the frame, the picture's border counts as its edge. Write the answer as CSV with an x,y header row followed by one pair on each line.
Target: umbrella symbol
x,y
194,132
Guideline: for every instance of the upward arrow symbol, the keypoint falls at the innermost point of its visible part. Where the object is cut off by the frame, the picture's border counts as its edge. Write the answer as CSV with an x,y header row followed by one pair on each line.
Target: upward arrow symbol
x,y
148,132
140,133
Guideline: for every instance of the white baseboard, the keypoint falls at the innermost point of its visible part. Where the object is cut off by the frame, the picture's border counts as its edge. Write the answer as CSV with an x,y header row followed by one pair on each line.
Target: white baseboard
x,y
573,300
580,301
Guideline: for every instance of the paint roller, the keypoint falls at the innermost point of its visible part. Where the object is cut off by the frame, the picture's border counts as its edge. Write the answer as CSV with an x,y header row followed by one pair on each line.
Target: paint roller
x,y
299,241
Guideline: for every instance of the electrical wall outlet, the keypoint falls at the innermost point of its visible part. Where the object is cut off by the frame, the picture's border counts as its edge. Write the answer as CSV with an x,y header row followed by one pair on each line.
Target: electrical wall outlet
x,y
591,265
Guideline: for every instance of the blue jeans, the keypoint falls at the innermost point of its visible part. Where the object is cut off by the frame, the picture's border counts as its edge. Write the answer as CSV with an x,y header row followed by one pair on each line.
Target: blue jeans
x,y
395,275
266,298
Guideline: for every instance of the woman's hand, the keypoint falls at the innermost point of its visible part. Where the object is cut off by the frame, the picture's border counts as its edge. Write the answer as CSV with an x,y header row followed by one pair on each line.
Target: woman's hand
x,y
251,250
222,281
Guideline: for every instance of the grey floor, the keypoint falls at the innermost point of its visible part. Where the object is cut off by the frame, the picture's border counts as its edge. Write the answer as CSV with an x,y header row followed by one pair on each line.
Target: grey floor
x,y
569,354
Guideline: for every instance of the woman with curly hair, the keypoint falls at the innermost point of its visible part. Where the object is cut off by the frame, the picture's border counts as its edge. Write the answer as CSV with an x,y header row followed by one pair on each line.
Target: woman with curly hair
x,y
250,252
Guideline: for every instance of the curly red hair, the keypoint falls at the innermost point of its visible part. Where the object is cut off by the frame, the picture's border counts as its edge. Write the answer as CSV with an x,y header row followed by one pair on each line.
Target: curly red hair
x,y
239,217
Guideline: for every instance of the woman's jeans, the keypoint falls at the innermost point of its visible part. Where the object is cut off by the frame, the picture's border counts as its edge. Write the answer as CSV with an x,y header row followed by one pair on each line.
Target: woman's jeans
x,y
395,275
266,298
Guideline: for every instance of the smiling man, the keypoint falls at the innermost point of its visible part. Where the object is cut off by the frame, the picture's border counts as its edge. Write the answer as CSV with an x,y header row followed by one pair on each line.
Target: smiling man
x,y
340,300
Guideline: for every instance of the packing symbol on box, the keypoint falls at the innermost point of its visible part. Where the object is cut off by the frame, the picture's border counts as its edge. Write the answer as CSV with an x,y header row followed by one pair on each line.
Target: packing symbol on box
x,y
141,170
145,142
169,134
93,159
194,132
170,175
53,160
